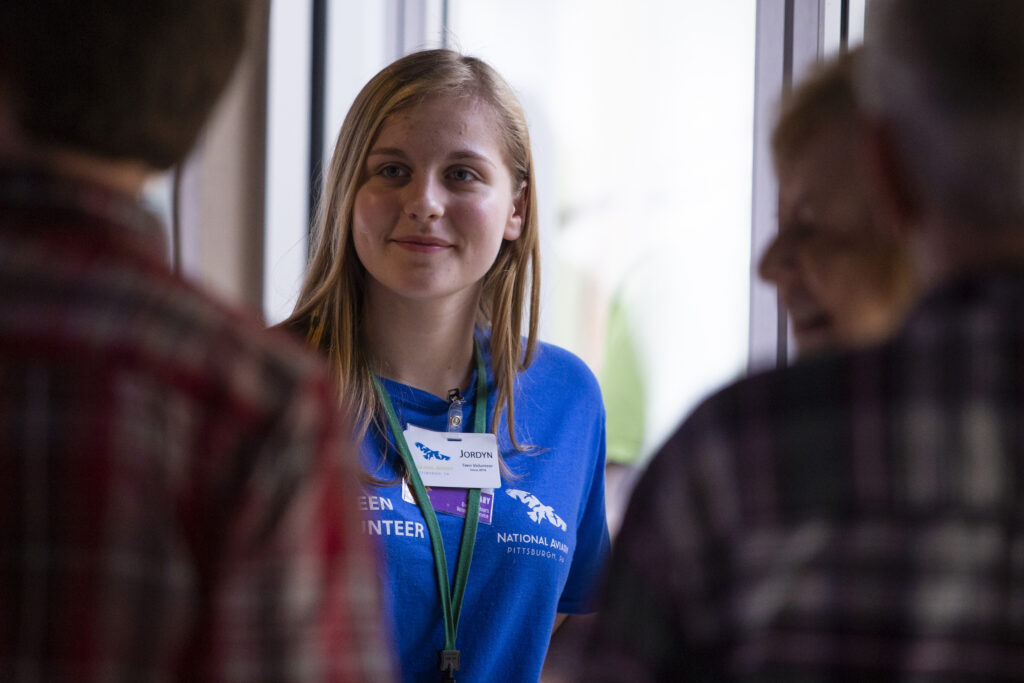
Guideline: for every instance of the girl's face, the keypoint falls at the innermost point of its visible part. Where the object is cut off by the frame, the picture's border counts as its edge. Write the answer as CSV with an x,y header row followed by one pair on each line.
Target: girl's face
x,y
436,201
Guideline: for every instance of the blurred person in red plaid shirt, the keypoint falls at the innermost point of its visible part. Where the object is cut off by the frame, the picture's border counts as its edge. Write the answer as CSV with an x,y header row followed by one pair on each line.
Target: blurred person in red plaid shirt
x,y
172,476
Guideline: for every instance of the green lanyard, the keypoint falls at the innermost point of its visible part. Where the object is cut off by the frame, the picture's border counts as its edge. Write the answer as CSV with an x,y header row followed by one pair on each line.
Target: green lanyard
x,y
451,602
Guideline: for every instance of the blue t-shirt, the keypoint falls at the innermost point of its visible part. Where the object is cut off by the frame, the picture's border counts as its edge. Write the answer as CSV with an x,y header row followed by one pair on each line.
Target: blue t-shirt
x,y
542,551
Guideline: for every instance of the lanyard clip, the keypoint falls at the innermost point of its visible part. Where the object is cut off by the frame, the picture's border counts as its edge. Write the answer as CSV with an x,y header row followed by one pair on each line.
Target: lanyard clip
x,y
448,662
455,402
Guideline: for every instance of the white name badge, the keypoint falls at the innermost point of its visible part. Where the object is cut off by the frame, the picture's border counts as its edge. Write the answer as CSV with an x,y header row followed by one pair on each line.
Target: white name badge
x,y
455,459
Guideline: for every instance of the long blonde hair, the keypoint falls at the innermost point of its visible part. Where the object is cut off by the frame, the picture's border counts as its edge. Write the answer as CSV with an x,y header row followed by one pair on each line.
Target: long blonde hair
x,y
329,309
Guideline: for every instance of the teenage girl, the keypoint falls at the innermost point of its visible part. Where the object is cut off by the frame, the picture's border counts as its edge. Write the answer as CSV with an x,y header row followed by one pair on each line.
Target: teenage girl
x,y
424,268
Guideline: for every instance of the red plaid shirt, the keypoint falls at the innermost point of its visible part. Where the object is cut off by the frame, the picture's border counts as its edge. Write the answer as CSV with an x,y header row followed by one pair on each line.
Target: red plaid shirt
x,y
171,491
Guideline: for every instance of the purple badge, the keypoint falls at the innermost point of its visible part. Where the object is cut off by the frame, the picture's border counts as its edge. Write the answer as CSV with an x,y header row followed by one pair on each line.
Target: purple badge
x,y
453,502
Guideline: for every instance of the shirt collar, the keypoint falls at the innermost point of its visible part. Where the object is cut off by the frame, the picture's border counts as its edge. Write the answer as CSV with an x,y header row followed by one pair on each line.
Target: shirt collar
x,y
43,194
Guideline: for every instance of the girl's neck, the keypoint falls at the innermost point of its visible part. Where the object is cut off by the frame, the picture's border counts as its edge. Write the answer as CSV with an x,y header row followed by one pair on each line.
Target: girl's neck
x,y
424,344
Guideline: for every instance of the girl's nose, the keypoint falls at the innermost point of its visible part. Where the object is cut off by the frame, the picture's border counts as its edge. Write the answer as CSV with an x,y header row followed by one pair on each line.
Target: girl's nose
x,y
423,200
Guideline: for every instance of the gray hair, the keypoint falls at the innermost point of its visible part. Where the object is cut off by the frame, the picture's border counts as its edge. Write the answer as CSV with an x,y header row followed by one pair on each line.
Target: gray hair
x,y
947,78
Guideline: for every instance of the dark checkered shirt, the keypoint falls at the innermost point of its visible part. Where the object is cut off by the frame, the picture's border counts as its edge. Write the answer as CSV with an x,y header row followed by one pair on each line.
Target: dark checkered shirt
x,y
853,518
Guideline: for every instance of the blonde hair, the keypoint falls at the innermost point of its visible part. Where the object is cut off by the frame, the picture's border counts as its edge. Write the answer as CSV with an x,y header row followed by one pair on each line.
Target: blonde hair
x,y
329,309
826,97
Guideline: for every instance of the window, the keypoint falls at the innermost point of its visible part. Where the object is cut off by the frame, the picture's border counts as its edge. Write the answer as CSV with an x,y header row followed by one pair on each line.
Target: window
x,y
642,123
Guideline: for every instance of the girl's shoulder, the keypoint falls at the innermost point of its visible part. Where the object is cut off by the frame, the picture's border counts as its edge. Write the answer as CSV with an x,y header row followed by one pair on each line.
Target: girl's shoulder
x,y
560,370
549,355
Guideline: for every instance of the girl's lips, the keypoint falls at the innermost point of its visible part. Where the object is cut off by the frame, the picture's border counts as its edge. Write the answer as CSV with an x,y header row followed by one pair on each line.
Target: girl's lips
x,y
423,245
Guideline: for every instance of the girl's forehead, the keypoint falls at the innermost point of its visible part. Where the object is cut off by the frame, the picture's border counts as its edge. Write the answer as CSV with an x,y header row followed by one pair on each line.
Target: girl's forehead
x,y
442,119
445,105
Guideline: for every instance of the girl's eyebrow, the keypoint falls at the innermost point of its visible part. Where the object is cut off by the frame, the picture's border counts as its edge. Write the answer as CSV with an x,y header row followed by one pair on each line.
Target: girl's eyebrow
x,y
470,155
458,155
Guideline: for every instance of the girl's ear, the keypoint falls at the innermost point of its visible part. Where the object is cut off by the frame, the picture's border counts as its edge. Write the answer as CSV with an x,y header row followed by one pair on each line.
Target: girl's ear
x,y
514,226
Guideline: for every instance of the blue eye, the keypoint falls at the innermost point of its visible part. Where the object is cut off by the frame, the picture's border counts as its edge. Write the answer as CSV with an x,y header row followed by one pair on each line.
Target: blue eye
x,y
391,171
461,174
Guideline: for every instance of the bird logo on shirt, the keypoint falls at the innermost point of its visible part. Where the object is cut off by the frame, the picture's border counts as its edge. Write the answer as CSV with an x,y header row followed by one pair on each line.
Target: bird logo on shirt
x,y
538,511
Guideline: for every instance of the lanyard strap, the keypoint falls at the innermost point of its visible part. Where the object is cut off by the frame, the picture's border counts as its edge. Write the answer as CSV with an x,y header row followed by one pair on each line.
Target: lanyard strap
x,y
451,601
